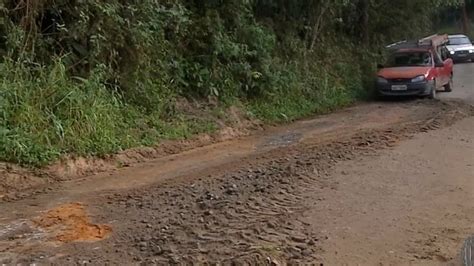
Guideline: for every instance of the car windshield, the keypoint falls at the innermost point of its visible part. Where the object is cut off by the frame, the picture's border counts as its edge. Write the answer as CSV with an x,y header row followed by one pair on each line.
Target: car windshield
x,y
459,41
401,59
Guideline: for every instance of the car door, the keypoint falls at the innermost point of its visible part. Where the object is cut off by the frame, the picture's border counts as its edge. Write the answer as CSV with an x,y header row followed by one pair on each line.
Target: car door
x,y
448,63
442,71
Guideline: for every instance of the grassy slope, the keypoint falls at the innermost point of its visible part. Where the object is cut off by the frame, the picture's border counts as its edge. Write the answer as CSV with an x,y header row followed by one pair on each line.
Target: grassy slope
x,y
46,114
47,110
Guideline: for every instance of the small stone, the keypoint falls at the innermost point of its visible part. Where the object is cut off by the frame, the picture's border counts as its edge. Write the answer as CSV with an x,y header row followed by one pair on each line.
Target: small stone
x,y
145,239
296,256
174,260
208,212
298,239
307,253
203,205
273,262
271,225
157,250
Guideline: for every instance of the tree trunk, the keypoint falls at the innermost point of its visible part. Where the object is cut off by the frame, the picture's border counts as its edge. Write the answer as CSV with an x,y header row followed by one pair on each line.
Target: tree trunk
x,y
465,18
318,24
364,8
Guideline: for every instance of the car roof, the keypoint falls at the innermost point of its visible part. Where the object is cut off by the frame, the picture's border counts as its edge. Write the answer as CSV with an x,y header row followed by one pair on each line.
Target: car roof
x,y
457,36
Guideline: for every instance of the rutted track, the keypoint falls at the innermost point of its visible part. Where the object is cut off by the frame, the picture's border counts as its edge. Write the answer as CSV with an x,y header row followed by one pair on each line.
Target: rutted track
x,y
244,211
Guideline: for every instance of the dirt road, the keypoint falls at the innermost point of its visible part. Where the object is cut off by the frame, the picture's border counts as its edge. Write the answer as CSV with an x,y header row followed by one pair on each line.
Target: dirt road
x,y
385,183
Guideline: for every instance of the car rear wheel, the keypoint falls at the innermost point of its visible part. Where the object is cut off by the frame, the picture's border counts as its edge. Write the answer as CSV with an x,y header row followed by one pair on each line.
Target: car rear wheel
x,y
449,86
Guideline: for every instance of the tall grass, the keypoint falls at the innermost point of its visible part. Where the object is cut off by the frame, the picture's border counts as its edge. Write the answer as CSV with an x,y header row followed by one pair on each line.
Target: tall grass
x,y
315,88
44,114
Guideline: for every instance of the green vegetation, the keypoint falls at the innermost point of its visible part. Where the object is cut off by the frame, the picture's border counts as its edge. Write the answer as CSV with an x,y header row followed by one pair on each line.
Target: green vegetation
x,y
95,77
455,19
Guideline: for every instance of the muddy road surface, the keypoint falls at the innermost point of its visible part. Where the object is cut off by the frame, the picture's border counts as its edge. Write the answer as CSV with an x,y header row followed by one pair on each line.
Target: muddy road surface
x,y
379,183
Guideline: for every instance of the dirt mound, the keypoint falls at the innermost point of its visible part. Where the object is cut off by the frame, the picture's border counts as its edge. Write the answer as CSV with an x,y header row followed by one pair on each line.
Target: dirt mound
x,y
15,178
70,223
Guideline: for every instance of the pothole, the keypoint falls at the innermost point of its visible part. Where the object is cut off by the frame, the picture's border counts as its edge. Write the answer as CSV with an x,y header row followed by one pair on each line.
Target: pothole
x,y
282,140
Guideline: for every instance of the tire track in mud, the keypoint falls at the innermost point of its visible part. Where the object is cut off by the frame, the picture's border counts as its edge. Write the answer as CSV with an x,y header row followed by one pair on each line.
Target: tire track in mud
x,y
244,217
249,215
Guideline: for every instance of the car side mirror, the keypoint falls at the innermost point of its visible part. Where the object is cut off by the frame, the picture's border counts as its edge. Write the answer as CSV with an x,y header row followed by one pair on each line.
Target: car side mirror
x,y
439,65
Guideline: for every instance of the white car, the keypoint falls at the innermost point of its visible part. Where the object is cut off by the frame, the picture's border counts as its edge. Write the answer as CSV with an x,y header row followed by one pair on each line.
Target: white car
x,y
460,48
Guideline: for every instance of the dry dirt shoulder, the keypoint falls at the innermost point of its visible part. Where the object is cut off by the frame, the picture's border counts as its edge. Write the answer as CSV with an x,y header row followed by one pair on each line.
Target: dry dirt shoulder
x,y
410,205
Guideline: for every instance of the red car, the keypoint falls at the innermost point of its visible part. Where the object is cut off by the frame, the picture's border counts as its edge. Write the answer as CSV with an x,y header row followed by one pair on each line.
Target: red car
x,y
416,69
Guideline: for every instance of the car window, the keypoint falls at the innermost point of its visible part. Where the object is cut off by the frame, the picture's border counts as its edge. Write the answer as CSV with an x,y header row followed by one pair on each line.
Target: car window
x,y
401,59
437,58
444,53
459,41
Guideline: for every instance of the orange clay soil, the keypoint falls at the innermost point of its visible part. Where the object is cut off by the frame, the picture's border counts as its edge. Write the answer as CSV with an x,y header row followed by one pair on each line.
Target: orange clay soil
x,y
70,223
